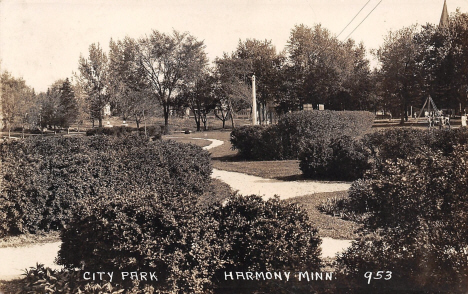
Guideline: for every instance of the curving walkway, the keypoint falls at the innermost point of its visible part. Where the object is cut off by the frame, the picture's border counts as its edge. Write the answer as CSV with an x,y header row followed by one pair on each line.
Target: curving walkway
x,y
247,185
267,188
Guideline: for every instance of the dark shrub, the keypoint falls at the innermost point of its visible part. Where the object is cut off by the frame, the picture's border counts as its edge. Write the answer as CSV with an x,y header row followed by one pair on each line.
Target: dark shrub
x,y
299,128
261,236
142,232
257,142
341,158
297,132
43,178
416,214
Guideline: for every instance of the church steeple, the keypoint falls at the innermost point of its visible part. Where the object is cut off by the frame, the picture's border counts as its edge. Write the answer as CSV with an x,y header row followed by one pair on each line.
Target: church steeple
x,y
444,18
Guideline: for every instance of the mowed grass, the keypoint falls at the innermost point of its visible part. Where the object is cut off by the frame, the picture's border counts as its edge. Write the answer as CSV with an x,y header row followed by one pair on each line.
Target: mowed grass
x,y
328,226
224,158
29,239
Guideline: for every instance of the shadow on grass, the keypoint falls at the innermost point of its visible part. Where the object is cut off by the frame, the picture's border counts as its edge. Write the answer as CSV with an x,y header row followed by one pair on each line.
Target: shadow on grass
x,y
298,177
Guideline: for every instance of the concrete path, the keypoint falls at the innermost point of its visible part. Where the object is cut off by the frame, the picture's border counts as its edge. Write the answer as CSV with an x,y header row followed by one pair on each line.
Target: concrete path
x,y
248,185
267,188
14,260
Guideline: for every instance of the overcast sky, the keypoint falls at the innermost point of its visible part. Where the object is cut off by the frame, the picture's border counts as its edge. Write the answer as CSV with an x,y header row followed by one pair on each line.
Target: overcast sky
x,y
41,40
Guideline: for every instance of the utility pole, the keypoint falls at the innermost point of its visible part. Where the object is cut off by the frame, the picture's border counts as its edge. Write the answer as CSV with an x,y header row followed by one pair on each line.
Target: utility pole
x,y
254,102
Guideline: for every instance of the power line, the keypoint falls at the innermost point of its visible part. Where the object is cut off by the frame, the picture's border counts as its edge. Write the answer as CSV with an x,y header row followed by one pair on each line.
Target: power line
x,y
363,19
353,18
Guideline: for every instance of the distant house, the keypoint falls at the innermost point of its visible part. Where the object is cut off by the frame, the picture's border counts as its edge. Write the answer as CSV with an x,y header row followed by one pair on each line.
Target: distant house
x,y
107,110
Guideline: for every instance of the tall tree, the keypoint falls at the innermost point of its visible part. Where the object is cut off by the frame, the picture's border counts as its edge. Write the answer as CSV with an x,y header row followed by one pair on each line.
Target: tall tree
x,y
400,70
17,101
50,106
450,75
94,72
68,106
199,97
261,59
323,70
169,62
233,90
131,94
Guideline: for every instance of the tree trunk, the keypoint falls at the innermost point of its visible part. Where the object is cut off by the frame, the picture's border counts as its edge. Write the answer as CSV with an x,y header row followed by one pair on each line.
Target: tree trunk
x,y
166,119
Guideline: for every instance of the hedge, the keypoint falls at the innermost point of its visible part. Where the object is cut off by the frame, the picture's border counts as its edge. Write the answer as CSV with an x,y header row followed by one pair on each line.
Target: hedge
x,y
190,250
342,158
295,131
151,131
43,178
415,214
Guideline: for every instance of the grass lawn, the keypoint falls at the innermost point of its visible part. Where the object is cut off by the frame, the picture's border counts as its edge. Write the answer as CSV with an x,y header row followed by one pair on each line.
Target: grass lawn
x,y
329,226
29,239
224,158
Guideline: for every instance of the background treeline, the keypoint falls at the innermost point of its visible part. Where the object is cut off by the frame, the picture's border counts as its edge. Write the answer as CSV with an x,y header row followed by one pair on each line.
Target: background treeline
x,y
162,74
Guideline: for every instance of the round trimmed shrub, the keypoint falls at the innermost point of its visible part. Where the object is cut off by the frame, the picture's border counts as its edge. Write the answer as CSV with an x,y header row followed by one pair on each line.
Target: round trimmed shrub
x,y
342,158
297,132
260,236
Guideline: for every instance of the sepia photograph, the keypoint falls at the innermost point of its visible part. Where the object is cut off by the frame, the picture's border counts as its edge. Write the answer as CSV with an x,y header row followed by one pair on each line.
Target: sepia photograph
x,y
234,146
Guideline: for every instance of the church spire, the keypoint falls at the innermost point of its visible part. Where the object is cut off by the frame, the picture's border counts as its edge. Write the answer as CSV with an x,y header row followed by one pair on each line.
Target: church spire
x,y
444,18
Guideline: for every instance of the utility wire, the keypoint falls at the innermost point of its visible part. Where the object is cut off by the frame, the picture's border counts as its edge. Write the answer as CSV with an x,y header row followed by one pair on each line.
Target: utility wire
x,y
363,19
353,18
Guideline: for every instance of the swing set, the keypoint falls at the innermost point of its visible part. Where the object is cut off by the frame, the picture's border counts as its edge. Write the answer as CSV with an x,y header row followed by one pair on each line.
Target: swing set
x,y
435,117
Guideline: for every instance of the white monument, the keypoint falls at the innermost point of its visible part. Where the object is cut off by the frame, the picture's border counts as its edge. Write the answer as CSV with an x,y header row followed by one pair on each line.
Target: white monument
x,y
254,102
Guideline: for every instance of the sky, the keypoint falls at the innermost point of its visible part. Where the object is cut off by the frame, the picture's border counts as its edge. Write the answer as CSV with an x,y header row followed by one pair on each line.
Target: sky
x,y
41,40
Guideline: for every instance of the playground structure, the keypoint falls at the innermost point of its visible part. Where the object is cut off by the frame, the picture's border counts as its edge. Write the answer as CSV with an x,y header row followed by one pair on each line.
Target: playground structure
x,y
435,117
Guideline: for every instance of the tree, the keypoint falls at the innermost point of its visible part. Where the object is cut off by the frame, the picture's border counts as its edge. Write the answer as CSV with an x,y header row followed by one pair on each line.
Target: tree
x,y
234,93
49,105
81,98
95,76
130,90
261,59
400,70
68,107
17,101
199,97
169,62
445,61
323,70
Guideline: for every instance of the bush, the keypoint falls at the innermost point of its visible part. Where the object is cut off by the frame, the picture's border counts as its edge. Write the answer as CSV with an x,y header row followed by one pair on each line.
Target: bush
x,y
257,142
342,158
298,131
43,178
399,143
300,128
151,131
190,250
416,214
263,236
